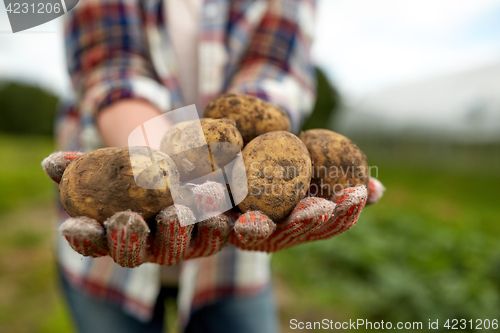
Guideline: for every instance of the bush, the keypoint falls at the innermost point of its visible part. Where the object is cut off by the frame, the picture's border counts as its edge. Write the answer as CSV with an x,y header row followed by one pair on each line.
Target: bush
x,y
327,103
26,109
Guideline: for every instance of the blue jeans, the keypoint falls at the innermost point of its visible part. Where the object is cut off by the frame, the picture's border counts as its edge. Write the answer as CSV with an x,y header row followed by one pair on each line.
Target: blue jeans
x,y
255,314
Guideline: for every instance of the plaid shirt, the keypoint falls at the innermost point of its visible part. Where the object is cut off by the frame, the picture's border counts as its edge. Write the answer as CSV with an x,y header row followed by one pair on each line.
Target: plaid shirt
x,y
119,49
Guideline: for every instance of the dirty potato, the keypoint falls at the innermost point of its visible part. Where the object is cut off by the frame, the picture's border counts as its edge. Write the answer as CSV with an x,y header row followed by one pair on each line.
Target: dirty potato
x,y
188,146
252,115
337,162
101,183
278,171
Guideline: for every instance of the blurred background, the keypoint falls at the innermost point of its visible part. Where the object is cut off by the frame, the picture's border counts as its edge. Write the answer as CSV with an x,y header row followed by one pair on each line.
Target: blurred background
x,y
416,84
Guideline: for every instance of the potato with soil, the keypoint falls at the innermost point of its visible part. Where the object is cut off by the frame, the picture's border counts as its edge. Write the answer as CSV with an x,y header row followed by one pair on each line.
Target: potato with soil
x,y
278,171
186,144
101,183
337,162
252,115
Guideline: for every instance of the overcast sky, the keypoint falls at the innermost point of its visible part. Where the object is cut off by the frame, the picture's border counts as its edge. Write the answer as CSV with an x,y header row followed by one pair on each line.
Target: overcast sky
x,y
364,45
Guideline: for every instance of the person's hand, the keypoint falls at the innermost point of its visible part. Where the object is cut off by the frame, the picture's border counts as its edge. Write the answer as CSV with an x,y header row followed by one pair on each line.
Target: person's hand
x,y
117,121
131,241
312,219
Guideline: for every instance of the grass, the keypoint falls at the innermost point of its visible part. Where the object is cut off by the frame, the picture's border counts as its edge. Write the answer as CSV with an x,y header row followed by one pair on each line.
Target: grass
x,y
428,250
29,297
22,179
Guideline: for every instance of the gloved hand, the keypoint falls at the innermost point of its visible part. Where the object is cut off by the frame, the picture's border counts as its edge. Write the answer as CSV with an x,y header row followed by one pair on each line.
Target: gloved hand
x,y
130,241
312,219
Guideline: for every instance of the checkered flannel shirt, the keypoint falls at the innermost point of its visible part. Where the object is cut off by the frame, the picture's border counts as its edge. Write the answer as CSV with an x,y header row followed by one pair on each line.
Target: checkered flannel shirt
x,y
119,49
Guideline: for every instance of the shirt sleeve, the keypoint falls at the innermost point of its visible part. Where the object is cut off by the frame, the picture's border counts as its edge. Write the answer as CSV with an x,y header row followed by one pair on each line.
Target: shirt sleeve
x,y
277,66
108,57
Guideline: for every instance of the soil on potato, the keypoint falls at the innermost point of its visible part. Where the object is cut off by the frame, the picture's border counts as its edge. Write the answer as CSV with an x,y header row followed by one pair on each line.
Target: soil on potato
x,y
278,171
101,183
252,115
336,161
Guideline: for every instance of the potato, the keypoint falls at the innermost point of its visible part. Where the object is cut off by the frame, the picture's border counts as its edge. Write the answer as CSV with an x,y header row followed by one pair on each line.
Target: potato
x,y
252,115
186,145
278,172
101,183
337,162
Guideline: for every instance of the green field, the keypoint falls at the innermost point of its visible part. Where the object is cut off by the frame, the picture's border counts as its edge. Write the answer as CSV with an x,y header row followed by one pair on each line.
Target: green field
x,y
428,250
29,301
